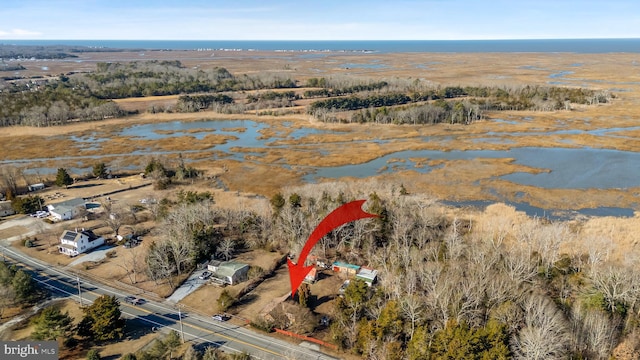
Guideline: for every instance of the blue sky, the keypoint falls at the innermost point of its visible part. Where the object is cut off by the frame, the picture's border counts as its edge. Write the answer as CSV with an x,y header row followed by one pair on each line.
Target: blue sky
x,y
318,20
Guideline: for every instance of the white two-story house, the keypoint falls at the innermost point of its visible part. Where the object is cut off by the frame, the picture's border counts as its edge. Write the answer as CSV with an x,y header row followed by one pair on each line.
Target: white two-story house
x,y
77,242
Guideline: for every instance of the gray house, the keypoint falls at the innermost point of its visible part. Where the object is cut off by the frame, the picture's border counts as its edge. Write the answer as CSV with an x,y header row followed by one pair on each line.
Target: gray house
x,y
229,272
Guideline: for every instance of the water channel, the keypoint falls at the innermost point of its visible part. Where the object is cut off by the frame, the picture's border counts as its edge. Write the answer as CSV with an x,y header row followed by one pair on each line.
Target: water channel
x,y
562,168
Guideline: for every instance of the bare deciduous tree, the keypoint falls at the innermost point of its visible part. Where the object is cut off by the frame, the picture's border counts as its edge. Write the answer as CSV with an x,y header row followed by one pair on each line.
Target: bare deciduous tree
x,y
594,332
618,285
160,264
131,263
544,335
10,176
412,309
226,248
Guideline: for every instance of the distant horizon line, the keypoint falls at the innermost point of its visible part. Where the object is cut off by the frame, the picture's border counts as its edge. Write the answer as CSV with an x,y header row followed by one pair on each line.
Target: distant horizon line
x,y
333,40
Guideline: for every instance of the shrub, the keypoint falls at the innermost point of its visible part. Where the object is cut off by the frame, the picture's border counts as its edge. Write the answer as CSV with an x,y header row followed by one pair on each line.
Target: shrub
x,y
261,323
93,354
70,342
111,254
255,272
225,301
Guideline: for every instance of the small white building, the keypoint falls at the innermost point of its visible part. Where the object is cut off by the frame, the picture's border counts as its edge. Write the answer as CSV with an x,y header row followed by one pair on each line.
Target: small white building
x,y
77,242
67,210
367,275
36,187
213,265
6,209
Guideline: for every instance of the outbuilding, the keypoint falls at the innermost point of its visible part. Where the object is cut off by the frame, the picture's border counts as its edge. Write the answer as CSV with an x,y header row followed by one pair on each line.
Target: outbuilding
x,y
36,187
345,268
367,275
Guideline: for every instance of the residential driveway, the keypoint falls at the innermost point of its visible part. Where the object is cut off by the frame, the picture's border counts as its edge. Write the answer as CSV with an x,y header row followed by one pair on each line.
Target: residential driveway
x,y
190,285
33,225
96,255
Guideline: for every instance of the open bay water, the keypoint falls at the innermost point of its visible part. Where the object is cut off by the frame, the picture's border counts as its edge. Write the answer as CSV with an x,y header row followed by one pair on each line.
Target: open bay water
x,y
375,46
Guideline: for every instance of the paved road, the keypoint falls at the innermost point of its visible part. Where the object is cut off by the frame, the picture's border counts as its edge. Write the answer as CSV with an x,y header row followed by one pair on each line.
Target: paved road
x,y
197,329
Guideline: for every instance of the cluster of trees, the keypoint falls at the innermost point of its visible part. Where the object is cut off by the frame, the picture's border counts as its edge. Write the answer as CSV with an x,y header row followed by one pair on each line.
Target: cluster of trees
x,y
135,79
437,110
350,89
151,78
102,322
26,204
449,289
17,287
356,102
52,103
193,103
163,176
272,95
194,230
10,177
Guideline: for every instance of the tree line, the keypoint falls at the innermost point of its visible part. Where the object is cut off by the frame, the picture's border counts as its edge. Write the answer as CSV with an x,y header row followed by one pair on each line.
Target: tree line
x,y
153,78
193,103
8,51
52,103
329,92
88,96
438,110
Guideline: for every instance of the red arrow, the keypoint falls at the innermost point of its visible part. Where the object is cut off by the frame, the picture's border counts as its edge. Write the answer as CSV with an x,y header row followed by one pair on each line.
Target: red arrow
x,y
344,214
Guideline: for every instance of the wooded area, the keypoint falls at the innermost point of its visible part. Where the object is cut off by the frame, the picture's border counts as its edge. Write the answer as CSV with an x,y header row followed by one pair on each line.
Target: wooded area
x,y
436,105
448,287
56,101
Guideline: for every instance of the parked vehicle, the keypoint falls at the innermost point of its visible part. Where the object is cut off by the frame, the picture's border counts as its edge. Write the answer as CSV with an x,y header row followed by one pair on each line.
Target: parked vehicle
x,y
221,317
205,275
134,300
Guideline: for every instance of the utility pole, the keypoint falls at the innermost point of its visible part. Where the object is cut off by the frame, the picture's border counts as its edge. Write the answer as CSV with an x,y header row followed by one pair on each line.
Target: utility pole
x,y
181,328
79,291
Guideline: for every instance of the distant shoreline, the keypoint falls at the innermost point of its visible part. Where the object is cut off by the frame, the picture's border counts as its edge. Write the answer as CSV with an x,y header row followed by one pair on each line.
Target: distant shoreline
x,y
360,46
